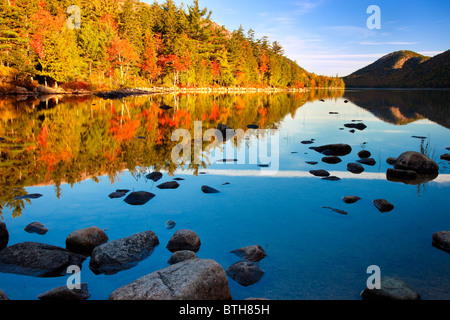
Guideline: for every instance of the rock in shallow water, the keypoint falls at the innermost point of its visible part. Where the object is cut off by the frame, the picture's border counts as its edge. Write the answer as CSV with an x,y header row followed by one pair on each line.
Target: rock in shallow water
x,y
122,254
184,239
29,196
417,162
335,149
351,199
38,260
207,189
117,195
360,126
331,160
36,227
83,241
337,210
180,256
170,224
168,185
364,154
391,289
331,178
3,296
319,173
355,168
253,253
139,198
441,240
65,294
391,160
155,176
194,279
367,161
245,273
383,205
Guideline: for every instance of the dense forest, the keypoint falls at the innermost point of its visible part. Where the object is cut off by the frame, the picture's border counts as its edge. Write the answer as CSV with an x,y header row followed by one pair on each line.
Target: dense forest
x,y
118,43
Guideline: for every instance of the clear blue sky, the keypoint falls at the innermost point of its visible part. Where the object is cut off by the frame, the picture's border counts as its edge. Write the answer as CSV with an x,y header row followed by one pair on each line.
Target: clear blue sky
x,y
331,37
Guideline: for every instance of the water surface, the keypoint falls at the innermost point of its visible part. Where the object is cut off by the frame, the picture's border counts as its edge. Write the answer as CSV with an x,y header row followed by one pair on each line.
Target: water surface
x,y
76,151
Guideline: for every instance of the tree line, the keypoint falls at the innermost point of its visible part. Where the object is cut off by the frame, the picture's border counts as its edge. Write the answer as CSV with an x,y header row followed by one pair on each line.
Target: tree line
x,y
131,43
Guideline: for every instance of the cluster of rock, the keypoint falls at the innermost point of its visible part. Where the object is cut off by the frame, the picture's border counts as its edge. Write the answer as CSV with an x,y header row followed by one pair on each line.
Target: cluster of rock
x,y
247,271
187,277
121,93
412,168
44,90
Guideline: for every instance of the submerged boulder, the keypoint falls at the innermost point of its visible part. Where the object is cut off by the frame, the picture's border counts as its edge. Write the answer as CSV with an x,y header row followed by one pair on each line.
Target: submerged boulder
x,y
38,259
194,279
417,162
122,254
36,227
441,240
391,289
252,253
245,273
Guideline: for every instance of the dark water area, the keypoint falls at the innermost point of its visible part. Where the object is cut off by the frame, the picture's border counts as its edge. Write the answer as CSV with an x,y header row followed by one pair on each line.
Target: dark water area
x,y
75,151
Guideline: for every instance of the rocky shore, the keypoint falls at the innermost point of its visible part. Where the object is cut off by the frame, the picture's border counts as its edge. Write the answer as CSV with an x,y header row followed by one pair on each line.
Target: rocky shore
x,y
186,278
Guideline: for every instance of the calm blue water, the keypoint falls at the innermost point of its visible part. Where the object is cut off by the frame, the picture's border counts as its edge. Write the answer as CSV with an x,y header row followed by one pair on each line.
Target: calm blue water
x,y
312,252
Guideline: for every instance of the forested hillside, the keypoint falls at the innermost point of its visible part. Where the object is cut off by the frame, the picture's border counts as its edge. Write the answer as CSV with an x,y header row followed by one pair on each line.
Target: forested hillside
x,y
404,69
131,43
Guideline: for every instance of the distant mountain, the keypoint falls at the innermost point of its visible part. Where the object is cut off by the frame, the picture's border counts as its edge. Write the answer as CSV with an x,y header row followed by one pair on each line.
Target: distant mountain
x,y
403,69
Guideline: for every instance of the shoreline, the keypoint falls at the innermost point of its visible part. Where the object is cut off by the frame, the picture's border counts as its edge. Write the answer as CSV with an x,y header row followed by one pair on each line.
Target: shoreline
x,y
140,91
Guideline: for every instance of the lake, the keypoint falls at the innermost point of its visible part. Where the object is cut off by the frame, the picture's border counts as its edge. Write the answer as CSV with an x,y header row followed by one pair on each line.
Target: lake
x,y
75,151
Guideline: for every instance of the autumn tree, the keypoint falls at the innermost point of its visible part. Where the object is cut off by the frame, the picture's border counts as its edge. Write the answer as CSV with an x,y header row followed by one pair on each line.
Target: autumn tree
x,y
123,57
